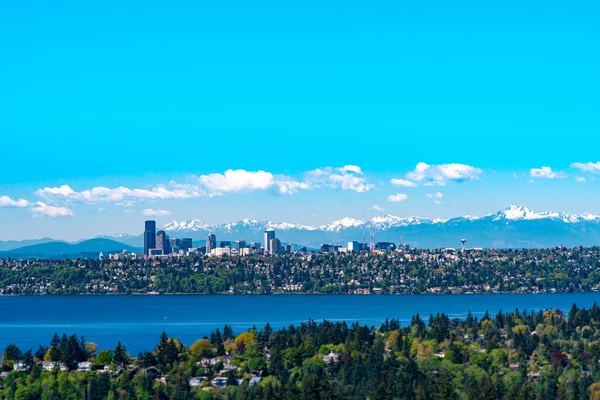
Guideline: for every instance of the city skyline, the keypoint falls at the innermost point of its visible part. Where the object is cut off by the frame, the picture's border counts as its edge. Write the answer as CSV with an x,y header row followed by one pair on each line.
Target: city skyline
x,y
305,112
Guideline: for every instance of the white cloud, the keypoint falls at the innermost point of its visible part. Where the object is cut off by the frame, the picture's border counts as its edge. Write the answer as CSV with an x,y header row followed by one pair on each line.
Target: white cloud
x,y
346,178
6,201
438,175
437,195
353,168
237,181
587,167
377,208
397,198
42,208
580,179
547,173
149,212
119,194
349,177
403,182
437,202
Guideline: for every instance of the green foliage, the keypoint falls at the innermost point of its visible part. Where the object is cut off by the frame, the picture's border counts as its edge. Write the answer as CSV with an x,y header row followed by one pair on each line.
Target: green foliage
x,y
515,355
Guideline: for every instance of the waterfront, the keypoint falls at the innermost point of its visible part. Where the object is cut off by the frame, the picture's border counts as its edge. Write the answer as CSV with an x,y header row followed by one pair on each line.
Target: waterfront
x,y
137,321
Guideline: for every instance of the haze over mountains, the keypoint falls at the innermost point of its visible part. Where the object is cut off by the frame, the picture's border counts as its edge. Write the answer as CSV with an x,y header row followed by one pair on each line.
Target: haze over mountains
x,y
511,227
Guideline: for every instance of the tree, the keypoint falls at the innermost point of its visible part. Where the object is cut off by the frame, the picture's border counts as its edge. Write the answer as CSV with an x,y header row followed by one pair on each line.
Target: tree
x,y
201,348
91,349
13,353
120,355
105,357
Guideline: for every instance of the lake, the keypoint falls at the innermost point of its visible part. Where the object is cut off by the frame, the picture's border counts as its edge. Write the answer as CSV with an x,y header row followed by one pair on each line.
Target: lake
x,y
138,321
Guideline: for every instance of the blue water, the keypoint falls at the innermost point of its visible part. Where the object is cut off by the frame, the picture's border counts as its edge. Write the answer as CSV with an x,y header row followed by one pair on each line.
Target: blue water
x,y
138,321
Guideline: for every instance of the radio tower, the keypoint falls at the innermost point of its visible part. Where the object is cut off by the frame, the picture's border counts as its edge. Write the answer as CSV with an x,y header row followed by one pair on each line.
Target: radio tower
x,y
363,229
372,238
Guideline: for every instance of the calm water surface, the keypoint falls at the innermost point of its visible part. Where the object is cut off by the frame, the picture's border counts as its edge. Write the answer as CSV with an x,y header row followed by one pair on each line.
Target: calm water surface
x,y
137,321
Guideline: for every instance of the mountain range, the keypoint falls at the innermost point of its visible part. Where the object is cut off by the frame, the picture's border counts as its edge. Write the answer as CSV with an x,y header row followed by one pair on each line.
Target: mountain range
x,y
511,227
58,249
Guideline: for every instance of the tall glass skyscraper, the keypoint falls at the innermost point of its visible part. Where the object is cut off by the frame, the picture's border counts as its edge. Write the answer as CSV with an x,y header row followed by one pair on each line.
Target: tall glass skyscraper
x,y
269,235
149,236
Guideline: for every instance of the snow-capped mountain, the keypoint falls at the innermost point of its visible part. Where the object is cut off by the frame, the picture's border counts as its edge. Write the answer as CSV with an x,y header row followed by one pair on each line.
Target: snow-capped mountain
x,y
193,225
513,226
344,223
522,213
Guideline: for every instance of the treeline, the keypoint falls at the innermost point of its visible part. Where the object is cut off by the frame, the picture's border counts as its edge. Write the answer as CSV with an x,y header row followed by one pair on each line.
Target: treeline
x,y
414,272
514,355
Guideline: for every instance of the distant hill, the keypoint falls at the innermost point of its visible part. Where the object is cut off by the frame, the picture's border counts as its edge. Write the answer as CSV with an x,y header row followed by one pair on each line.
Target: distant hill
x,y
56,249
15,244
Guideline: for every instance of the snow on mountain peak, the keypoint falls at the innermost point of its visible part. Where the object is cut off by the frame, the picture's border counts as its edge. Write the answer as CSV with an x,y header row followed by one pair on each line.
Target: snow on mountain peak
x,y
286,226
343,223
191,225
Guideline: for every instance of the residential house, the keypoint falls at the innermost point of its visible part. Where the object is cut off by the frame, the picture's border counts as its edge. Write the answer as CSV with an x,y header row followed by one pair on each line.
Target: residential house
x,y
49,365
331,358
21,366
197,381
85,366
219,382
254,380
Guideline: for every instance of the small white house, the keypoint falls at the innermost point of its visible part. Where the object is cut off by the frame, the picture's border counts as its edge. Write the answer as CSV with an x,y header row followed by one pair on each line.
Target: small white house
x,y
49,365
85,366
219,382
197,381
331,358
20,366
63,367
254,380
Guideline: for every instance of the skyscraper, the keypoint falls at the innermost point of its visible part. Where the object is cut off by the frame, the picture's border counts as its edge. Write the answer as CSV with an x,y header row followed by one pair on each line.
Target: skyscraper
x,y
274,246
269,235
186,244
149,236
211,242
162,242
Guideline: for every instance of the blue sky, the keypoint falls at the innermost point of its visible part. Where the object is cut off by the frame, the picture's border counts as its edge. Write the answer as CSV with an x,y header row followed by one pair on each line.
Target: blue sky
x,y
143,95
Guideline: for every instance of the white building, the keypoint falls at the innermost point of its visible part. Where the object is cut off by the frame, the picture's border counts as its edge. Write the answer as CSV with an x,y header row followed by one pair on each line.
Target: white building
x,y
84,366
354,246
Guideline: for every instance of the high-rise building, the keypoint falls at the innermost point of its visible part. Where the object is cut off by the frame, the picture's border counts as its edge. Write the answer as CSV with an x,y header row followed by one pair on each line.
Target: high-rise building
x,y
256,246
225,243
289,248
149,236
211,242
186,244
162,242
274,246
354,246
240,244
175,245
269,235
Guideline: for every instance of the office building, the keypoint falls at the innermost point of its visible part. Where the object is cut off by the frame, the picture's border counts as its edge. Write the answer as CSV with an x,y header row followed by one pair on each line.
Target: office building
x,y
385,246
330,248
225,243
274,245
354,246
289,248
256,246
211,242
269,235
240,244
186,244
175,243
149,236
162,242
